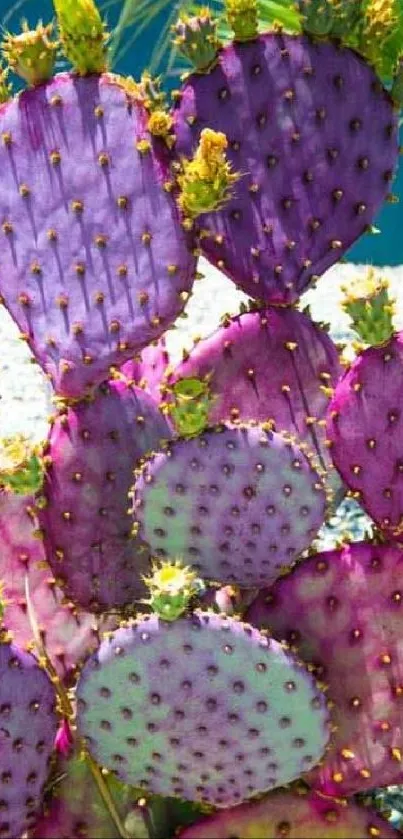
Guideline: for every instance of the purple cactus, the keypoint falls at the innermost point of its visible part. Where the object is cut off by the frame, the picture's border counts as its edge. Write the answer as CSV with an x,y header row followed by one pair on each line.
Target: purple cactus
x,y
94,261
93,449
342,610
28,725
149,368
273,365
205,708
67,632
315,135
365,431
240,503
298,813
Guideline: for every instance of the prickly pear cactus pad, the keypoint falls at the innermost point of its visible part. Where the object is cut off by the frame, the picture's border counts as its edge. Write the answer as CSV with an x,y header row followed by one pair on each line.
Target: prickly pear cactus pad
x,y
297,814
342,610
94,261
315,136
148,368
274,365
67,632
93,449
28,725
365,431
238,503
230,716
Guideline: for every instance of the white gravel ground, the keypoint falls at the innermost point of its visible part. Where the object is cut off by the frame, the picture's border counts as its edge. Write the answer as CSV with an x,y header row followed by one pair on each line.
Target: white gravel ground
x,y
25,394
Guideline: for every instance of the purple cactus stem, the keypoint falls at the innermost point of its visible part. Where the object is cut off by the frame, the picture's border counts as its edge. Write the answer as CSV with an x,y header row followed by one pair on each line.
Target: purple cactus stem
x,y
342,610
315,136
94,262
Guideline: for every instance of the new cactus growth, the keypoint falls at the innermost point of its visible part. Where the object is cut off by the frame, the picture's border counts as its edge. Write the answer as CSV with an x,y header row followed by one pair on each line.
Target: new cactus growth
x,y
207,180
364,427
83,35
148,368
5,86
217,739
274,365
240,503
32,54
197,38
316,155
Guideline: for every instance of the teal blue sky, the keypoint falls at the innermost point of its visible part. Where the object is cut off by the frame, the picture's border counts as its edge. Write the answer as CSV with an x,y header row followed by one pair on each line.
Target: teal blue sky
x,y
386,248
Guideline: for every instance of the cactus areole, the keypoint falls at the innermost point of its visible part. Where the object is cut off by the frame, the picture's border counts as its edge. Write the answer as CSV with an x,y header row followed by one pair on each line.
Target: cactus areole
x,y
313,134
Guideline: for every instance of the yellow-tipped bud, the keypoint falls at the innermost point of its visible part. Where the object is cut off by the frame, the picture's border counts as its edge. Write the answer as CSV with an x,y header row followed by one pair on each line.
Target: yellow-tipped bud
x,y
160,124
206,181
367,302
82,34
243,18
172,586
32,54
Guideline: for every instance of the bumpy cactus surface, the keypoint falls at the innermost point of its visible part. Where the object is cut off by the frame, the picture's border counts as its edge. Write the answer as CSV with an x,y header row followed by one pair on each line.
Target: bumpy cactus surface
x,y
28,724
254,721
315,136
364,416
297,813
92,450
342,610
273,365
239,502
68,633
94,262
179,655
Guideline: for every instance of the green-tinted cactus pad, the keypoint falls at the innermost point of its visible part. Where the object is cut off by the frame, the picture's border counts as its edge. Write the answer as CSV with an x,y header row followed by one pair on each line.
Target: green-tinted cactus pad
x,y
204,708
238,503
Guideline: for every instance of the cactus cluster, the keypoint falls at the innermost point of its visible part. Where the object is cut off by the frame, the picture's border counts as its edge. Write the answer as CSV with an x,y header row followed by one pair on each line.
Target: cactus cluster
x,y
177,656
